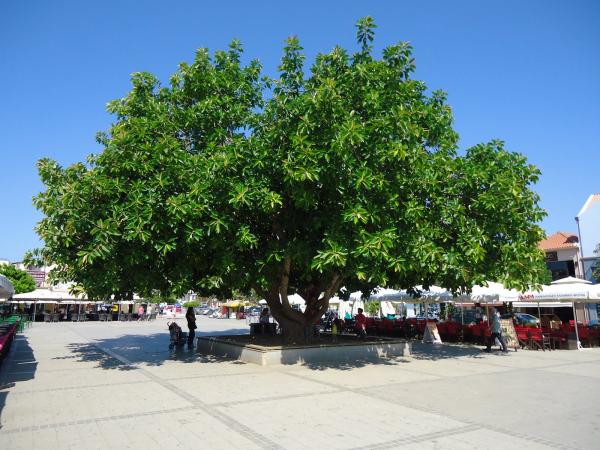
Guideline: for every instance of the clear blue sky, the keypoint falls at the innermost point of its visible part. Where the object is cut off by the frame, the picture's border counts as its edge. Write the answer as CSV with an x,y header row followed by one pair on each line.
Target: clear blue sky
x,y
527,72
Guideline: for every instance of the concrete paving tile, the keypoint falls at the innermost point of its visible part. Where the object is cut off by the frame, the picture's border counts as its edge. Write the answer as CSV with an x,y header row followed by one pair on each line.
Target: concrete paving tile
x,y
458,367
199,367
366,376
447,397
74,378
338,420
252,386
52,407
532,403
482,439
518,360
591,369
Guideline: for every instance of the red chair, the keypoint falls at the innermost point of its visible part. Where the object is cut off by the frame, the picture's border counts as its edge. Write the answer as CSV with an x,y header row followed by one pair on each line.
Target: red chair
x,y
594,336
539,339
453,330
387,327
443,330
584,335
468,333
370,326
476,333
559,337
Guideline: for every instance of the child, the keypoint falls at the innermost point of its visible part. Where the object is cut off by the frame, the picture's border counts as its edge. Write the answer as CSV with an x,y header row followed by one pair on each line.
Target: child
x,y
334,331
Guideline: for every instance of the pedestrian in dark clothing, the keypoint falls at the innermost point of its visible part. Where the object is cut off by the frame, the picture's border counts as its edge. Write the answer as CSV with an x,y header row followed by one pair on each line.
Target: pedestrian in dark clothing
x,y
191,322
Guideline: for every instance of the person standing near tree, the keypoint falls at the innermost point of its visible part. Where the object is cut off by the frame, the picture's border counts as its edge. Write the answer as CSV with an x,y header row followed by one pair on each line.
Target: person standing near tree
x,y
361,324
191,322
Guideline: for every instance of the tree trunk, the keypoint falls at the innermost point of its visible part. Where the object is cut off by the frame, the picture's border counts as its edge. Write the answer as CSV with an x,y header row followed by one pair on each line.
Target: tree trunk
x,y
296,327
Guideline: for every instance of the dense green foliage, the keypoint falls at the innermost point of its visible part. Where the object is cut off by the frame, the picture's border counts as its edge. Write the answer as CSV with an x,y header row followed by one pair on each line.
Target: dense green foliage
x,y
21,280
345,174
191,304
372,308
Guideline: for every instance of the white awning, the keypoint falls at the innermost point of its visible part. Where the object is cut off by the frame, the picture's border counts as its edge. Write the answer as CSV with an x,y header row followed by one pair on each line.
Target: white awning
x,y
543,304
561,290
41,295
29,302
6,287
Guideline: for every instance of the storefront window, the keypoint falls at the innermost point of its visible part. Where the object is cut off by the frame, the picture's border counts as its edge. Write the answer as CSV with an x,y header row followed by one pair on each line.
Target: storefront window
x,y
561,269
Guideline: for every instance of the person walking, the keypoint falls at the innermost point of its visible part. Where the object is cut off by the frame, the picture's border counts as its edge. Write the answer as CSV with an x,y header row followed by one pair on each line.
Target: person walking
x,y
191,322
496,333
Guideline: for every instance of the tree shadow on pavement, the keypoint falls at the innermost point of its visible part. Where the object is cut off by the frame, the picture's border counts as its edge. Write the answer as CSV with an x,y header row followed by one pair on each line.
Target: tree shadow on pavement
x,y
18,365
436,352
130,351
419,351
348,363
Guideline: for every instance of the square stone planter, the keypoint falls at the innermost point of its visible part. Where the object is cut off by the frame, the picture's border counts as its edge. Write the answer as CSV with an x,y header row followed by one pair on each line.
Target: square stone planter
x,y
308,354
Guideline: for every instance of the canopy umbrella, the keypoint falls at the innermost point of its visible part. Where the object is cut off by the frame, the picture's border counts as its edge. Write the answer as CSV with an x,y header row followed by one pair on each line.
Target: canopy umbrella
x,y
232,304
435,294
493,293
567,289
295,299
386,308
42,294
6,287
343,307
356,304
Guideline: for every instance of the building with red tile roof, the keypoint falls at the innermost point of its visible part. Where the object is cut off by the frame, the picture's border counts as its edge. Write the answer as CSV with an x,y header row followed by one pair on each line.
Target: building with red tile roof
x,y
562,254
560,240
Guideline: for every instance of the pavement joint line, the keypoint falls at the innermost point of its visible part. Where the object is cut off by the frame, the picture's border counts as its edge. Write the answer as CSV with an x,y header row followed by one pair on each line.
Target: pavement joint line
x,y
253,436
366,393
521,369
508,368
193,377
274,398
71,423
63,370
72,388
418,438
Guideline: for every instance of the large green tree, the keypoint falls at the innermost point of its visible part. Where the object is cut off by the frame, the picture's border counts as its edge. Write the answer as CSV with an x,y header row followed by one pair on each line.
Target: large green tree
x,y
22,282
344,174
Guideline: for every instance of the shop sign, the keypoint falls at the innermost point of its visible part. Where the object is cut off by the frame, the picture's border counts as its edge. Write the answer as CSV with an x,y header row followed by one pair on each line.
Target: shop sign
x,y
432,334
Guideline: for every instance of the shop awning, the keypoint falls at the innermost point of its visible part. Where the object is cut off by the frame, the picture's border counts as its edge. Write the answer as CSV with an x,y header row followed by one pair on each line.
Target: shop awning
x,y
29,302
41,295
6,287
542,304
233,304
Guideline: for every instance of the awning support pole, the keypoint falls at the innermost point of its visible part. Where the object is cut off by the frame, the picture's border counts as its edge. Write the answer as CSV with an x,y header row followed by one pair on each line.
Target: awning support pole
x,y
576,331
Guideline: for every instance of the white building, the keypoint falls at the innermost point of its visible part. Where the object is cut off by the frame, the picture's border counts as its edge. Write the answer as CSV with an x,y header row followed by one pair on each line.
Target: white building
x,y
588,226
562,254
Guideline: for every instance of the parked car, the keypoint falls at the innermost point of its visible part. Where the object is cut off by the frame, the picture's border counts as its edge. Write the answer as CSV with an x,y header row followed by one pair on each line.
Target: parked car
x,y
523,319
253,311
203,310
214,313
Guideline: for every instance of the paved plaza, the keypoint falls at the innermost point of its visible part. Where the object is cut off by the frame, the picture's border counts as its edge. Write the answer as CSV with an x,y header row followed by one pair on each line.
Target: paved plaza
x,y
116,385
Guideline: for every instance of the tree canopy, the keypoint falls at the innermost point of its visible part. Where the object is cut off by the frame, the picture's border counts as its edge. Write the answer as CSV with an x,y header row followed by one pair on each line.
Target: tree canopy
x,y
342,174
21,280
